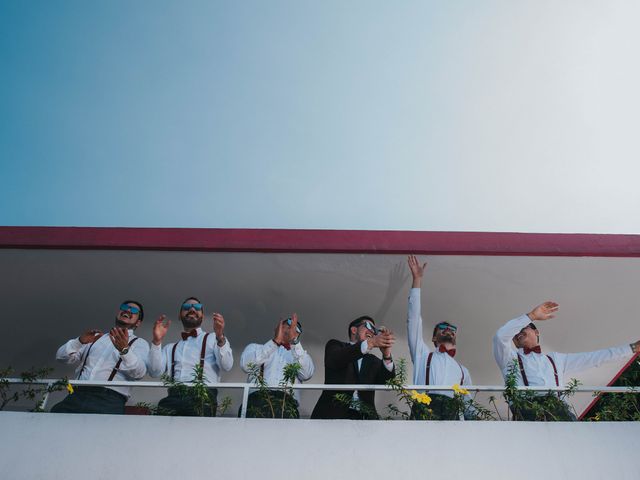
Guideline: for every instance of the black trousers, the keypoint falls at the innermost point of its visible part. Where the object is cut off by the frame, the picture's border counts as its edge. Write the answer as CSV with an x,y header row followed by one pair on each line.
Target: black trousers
x,y
443,408
547,408
271,404
92,400
182,403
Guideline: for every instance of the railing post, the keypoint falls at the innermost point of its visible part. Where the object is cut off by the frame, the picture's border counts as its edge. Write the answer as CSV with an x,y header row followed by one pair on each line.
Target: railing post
x,y
245,400
46,397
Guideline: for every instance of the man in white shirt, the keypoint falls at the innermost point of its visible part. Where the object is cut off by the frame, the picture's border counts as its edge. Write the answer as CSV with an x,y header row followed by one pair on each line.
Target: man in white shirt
x,y
433,367
516,348
212,353
271,359
119,356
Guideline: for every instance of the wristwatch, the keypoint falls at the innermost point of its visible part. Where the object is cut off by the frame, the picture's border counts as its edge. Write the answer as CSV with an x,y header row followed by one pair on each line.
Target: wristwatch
x,y
125,350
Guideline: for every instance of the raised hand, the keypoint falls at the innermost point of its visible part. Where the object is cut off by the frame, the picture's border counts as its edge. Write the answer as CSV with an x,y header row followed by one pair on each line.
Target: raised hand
x,y
218,328
544,311
384,341
119,337
280,334
90,336
160,329
417,271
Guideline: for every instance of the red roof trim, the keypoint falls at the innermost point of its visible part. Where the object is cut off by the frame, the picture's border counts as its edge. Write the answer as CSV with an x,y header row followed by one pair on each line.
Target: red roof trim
x,y
322,241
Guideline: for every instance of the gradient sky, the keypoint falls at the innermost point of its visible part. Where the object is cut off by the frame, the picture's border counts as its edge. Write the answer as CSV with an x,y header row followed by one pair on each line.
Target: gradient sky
x,y
450,115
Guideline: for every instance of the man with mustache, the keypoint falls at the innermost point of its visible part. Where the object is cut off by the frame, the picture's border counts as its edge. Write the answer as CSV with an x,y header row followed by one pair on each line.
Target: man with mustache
x,y
433,367
212,353
115,357
516,347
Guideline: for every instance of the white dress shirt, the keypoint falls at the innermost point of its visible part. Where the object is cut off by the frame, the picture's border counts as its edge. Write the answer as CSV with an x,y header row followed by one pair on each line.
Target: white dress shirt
x,y
102,359
537,367
444,369
275,358
187,356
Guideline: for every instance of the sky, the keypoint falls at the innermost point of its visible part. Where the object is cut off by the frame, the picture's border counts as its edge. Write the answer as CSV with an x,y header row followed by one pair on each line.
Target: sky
x,y
460,115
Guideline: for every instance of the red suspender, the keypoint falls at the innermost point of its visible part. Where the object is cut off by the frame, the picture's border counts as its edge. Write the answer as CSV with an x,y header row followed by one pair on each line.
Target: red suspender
x,y
203,350
524,375
115,369
85,360
555,370
429,369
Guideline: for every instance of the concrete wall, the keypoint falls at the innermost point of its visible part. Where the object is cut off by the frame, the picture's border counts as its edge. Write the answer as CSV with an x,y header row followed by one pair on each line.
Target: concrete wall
x,y
59,446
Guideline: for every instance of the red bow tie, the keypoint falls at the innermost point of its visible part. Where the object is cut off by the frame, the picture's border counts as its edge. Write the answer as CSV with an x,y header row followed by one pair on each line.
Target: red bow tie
x,y
192,333
443,349
536,349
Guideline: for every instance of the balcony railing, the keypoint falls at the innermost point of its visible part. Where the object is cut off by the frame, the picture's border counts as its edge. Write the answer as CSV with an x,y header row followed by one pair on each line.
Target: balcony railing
x,y
247,387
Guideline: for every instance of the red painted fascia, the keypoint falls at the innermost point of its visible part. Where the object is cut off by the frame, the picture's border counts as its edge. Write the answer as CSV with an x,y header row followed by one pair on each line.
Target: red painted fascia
x,y
321,241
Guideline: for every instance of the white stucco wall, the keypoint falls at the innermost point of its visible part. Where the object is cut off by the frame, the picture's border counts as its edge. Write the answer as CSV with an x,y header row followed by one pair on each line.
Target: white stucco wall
x,y
59,446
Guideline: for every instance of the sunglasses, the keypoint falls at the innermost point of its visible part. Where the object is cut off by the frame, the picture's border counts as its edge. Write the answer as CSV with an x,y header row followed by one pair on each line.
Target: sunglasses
x,y
289,321
445,326
128,308
369,326
188,306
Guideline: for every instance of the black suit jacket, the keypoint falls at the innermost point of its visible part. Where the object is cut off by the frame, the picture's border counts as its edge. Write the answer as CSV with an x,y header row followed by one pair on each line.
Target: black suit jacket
x,y
341,367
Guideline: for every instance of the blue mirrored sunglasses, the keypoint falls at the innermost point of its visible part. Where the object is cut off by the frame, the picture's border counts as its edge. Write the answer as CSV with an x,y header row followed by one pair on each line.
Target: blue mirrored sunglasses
x,y
444,326
289,321
189,306
369,326
128,308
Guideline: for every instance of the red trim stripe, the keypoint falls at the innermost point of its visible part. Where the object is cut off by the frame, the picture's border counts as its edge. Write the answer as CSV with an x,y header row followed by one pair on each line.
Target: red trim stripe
x,y
321,241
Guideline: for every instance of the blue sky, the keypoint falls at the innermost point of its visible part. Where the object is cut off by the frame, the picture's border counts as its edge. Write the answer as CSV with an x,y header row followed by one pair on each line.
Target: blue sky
x,y
478,116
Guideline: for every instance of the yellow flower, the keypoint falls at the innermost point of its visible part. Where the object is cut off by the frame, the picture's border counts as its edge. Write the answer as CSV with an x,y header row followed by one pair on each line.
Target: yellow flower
x,y
459,390
420,397
69,388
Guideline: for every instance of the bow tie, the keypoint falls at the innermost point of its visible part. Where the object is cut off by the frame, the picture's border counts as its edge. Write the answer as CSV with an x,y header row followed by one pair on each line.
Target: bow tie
x,y
443,349
536,349
186,335
286,345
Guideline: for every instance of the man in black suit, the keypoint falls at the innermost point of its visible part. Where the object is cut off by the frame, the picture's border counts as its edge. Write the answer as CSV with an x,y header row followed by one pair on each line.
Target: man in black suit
x,y
351,363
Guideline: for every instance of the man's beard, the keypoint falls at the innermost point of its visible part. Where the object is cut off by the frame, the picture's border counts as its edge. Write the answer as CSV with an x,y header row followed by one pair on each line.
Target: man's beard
x,y
191,322
446,338
121,324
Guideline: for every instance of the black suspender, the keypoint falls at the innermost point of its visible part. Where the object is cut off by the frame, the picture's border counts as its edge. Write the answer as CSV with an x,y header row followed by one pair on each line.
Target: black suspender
x,y
429,370
524,375
203,351
115,369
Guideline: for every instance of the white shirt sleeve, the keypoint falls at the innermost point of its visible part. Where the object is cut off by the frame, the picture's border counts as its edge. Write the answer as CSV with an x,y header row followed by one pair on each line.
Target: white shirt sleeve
x,y
156,361
577,362
504,350
223,354
414,327
71,352
305,361
134,363
257,354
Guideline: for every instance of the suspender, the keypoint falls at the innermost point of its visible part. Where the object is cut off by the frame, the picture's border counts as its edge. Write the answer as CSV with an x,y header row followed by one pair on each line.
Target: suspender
x,y
524,375
115,369
429,370
203,350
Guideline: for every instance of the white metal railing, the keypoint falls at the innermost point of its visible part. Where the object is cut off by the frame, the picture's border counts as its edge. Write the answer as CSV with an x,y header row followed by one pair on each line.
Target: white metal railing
x,y
246,387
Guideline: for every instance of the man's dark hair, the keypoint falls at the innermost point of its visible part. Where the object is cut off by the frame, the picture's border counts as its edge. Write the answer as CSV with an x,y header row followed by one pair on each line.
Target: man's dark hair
x,y
141,315
358,321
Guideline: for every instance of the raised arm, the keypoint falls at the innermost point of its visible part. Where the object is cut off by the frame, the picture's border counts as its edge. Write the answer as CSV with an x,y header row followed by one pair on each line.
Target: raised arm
x,y
222,348
578,362
306,362
72,351
414,318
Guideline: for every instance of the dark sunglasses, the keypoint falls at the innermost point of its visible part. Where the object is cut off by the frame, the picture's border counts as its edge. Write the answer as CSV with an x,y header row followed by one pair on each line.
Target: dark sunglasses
x,y
444,326
188,306
128,308
289,321
369,326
